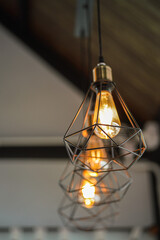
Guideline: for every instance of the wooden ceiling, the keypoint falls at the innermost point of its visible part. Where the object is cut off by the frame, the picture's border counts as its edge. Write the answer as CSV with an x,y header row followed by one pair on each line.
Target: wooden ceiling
x,y
131,44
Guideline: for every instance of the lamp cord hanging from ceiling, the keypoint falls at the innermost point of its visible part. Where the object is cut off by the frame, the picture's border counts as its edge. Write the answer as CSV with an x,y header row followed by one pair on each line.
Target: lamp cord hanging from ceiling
x,y
101,59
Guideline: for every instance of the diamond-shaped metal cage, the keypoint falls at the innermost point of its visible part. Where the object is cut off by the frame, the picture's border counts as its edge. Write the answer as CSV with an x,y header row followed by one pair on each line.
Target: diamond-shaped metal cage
x,y
90,188
104,145
76,216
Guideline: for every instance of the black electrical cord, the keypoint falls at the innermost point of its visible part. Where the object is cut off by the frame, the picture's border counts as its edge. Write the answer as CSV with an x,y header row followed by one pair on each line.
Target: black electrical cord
x,y
101,59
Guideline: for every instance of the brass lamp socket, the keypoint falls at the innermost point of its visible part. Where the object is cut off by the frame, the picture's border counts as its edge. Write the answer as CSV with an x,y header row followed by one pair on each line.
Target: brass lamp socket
x,y
102,72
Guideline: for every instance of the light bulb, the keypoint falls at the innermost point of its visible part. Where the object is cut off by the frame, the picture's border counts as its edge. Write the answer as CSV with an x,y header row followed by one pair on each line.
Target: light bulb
x,y
96,158
88,194
94,161
105,113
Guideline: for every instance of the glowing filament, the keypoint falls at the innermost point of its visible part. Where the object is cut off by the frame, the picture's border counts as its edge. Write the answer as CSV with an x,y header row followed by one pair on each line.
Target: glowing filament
x,y
88,194
106,115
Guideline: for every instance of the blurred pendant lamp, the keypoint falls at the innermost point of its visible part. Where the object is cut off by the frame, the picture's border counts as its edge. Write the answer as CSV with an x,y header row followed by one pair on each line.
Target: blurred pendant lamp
x,y
104,135
90,203
82,187
96,144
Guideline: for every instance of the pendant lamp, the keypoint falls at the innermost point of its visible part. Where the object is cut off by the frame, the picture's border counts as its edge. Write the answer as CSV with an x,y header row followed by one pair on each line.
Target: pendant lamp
x,y
76,216
90,188
103,141
104,136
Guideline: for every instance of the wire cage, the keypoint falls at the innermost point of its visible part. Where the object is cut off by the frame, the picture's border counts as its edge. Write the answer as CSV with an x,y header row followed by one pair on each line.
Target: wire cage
x,y
76,216
103,135
91,188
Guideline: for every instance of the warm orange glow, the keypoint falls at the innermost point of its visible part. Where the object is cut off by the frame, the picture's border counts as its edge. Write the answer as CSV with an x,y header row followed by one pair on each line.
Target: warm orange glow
x,y
107,115
88,194
87,123
88,174
94,161
96,158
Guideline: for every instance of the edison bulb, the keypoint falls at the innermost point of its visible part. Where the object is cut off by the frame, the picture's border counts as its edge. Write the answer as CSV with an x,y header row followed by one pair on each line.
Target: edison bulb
x,y
93,160
105,113
88,194
96,158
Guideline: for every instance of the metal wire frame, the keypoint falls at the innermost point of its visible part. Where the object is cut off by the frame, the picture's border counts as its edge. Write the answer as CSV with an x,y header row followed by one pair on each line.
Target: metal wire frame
x,y
109,187
78,136
75,215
